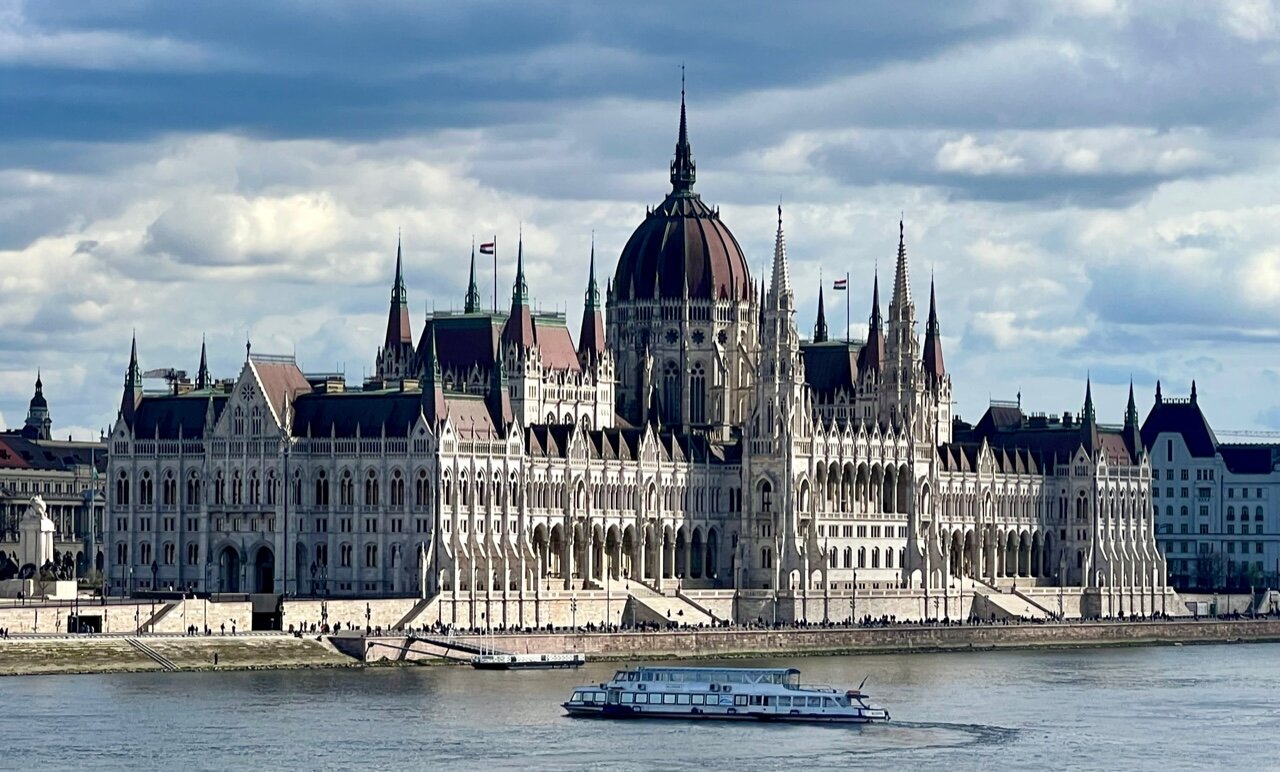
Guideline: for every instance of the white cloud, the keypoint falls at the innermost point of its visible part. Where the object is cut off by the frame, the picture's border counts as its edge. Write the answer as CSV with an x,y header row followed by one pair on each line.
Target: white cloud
x,y
966,156
1251,20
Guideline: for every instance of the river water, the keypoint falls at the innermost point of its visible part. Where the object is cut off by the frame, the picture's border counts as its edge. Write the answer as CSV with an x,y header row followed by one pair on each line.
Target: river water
x,y
1169,708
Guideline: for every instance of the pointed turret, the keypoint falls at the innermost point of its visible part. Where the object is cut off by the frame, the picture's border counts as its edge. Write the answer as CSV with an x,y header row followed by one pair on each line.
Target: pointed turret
x,y
1089,420
471,304
871,358
433,406
519,327
683,169
1193,391
1132,431
591,337
780,286
132,396
398,328
202,375
1088,415
820,327
934,368
1159,397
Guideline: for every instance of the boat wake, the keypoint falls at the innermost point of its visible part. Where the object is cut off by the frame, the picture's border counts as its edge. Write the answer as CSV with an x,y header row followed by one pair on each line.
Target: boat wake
x,y
898,736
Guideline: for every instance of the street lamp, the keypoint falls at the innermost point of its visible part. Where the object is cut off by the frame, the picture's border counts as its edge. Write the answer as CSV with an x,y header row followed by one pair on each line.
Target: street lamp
x,y
573,608
853,602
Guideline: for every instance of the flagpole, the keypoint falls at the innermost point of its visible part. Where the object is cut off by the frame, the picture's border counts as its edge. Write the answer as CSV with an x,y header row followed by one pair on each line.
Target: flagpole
x,y
495,273
846,306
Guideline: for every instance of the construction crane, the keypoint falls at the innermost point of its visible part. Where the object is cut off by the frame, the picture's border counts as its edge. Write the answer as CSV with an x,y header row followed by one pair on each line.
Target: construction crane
x,y
170,375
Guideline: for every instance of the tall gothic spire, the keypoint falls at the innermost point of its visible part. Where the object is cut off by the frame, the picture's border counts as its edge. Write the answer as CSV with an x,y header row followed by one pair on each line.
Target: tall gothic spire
x,y
1131,409
820,327
1132,432
593,292
683,169
519,326
202,375
933,364
591,336
900,304
520,290
399,330
132,385
471,304
780,288
871,358
1089,416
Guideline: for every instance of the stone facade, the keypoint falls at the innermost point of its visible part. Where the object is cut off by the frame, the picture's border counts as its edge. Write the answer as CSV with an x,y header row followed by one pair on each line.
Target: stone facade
x,y
507,473
66,474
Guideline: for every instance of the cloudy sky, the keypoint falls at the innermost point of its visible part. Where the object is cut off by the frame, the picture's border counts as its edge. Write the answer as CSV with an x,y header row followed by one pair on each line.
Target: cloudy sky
x,y
1095,184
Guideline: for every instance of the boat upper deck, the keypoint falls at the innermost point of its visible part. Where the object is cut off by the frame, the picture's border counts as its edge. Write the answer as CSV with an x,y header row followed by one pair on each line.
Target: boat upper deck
x,y
788,677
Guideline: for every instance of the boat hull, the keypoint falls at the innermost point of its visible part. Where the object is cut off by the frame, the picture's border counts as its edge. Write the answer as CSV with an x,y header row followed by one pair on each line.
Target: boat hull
x,y
625,712
527,665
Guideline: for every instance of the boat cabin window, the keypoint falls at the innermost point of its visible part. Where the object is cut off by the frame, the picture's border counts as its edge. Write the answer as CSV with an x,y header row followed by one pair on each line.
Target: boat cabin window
x,y
815,702
577,697
740,699
784,702
628,698
828,702
698,699
682,699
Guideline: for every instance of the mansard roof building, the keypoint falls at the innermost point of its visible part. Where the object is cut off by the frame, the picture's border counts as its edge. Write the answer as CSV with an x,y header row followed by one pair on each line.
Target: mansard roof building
x,y
690,439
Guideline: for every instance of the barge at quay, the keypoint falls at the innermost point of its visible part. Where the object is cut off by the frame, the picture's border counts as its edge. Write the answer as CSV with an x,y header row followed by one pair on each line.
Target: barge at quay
x,y
729,693
527,661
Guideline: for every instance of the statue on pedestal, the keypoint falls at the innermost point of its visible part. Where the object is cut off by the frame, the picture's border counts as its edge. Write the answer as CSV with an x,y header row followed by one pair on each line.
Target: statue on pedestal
x,y
36,534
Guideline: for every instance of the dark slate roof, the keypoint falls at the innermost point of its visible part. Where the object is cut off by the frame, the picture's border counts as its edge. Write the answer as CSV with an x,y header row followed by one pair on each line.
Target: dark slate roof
x,y
464,341
344,413
1250,459
1180,416
831,367
18,452
165,415
1006,428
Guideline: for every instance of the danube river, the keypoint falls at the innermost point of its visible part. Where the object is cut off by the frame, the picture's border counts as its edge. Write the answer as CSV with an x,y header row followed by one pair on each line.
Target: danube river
x,y
1135,708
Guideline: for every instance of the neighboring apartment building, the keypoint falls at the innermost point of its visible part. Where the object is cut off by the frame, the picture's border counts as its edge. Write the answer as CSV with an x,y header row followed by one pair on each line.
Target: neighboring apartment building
x,y
1215,502
62,472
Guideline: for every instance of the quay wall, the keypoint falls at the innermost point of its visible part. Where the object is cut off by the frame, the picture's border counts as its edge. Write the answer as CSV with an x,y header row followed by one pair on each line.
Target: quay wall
x,y
791,642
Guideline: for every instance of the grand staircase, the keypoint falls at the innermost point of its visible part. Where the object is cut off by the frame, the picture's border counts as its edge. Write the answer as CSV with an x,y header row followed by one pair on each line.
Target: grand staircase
x,y
647,605
1012,605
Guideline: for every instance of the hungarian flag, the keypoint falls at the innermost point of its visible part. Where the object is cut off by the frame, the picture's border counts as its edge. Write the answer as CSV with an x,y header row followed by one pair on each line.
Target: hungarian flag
x,y
487,249
840,284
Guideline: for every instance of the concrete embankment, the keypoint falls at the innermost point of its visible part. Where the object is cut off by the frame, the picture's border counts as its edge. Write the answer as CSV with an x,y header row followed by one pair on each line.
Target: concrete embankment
x,y
119,654
819,641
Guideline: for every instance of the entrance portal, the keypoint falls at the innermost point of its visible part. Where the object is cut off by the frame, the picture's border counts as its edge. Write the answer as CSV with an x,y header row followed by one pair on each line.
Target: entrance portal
x,y
264,570
229,570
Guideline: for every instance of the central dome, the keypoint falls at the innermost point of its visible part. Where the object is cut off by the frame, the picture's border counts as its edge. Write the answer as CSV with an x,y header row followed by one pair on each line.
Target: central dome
x,y
682,244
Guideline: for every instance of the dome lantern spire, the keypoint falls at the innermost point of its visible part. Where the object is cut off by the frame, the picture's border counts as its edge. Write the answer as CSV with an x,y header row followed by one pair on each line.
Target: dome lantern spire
x,y
683,169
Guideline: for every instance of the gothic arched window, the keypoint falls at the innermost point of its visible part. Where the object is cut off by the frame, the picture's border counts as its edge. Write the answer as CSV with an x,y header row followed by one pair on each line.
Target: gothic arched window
x,y
671,393
698,395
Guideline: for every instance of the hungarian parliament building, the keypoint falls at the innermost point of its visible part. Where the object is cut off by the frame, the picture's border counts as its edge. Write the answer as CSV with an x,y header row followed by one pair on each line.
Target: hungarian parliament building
x,y
690,453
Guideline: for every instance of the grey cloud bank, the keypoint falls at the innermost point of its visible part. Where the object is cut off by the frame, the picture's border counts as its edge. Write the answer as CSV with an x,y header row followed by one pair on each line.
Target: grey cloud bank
x,y
1094,184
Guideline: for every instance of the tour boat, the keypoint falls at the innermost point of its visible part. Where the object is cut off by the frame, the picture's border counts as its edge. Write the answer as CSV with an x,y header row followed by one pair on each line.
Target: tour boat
x,y
765,694
497,661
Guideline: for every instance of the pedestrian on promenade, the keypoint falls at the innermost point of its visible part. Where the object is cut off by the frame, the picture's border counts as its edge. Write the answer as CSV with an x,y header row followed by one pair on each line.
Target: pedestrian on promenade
x,y
224,628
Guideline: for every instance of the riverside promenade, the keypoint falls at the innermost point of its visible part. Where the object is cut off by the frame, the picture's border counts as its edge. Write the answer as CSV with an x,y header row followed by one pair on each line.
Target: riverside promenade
x,y
814,641
54,654
69,654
